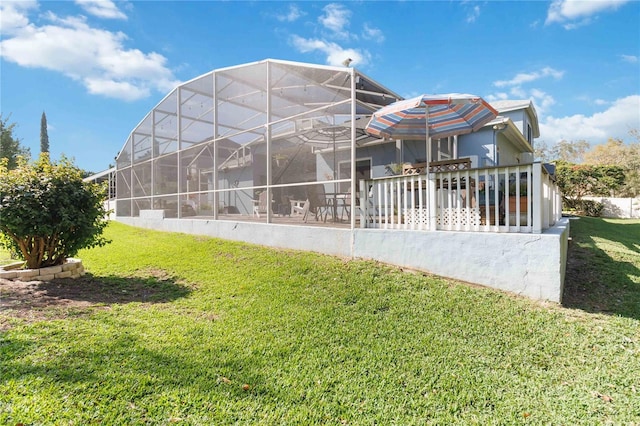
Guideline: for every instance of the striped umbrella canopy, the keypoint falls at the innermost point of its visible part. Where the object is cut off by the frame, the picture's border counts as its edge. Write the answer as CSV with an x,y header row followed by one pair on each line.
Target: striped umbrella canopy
x,y
428,116
446,115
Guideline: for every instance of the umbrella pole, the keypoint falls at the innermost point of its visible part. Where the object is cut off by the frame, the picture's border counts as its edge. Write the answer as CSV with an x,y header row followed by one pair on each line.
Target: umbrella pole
x,y
427,167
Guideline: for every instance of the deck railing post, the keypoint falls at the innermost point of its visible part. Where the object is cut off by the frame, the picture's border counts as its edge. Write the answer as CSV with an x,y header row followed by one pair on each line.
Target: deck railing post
x,y
537,198
364,202
547,201
432,201
558,203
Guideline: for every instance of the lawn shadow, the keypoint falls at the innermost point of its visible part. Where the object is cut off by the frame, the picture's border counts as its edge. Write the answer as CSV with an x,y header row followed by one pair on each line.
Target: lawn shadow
x,y
62,298
145,373
157,288
597,282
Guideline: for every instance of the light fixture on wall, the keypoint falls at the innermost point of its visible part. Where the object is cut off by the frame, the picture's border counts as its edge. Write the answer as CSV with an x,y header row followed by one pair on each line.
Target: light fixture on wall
x,y
496,150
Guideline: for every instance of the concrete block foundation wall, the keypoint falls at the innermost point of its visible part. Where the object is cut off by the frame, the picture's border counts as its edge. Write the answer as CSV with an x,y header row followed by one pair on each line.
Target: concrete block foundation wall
x,y
72,268
531,265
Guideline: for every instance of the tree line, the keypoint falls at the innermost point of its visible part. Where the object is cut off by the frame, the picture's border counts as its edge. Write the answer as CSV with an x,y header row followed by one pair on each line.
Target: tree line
x,y
10,145
608,170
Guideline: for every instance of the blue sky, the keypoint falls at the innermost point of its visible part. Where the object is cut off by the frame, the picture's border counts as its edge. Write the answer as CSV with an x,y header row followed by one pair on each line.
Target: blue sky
x,y
97,67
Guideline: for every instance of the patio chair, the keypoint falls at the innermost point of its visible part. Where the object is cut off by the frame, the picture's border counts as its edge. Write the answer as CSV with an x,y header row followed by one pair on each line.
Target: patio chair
x,y
284,208
317,203
261,204
300,208
344,203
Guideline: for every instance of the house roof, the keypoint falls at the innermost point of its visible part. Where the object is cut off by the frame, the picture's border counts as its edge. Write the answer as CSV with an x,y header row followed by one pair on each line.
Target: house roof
x,y
510,105
514,105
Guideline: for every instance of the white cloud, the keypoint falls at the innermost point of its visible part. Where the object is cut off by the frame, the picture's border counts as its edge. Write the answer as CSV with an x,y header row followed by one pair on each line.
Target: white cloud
x,y
632,59
334,22
115,89
473,14
95,57
517,92
101,8
529,77
500,96
582,11
335,54
614,122
371,33
13,15
292,15
516,88
542,100
336,19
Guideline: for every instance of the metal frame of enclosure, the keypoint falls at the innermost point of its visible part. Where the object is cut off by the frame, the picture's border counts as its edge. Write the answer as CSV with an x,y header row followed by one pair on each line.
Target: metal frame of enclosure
x,y
215,144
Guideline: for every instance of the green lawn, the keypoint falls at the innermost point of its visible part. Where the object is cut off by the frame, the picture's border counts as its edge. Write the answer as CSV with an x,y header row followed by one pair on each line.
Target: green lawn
x,y
605,264
321,340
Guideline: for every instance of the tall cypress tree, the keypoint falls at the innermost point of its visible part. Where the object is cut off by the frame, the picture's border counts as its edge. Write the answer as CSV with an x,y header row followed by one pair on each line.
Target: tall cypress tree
x,y
44,136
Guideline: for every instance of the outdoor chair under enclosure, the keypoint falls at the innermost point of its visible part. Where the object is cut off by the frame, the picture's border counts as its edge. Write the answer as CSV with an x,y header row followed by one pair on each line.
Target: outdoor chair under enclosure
x,y
317,203
261,205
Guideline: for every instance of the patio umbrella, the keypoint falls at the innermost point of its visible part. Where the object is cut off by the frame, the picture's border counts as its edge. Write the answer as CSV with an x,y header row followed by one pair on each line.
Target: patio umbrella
x,y
431,116
446,115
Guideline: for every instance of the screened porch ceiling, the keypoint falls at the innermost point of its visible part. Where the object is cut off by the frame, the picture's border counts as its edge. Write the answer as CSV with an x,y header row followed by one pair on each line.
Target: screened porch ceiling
x,y
298,99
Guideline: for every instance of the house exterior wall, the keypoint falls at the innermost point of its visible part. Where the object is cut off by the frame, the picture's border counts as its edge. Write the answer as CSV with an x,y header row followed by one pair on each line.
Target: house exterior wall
x,y
508,155
413,151
519,118
381,156
531,265
523,122
478,144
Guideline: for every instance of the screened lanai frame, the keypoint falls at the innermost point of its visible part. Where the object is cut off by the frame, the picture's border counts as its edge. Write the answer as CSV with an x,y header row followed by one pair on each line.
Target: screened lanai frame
x,y
271,130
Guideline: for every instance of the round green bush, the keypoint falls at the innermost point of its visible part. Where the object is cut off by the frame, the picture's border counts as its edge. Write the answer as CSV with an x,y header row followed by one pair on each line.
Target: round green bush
x,y
48,213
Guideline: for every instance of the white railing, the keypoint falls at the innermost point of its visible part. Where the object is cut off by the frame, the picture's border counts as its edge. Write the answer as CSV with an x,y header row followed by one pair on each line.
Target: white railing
x,y
522,198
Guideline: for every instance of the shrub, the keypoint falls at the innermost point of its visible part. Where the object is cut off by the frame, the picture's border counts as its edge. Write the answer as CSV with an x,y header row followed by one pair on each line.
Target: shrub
x,y
590,207
47,212
578,180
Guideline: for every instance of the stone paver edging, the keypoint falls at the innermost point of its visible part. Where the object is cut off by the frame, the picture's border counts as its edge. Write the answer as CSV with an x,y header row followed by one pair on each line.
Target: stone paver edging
x,y
72,268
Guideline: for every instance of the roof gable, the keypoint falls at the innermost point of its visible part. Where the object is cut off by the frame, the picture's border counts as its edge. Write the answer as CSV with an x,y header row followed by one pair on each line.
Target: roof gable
x,y
522,104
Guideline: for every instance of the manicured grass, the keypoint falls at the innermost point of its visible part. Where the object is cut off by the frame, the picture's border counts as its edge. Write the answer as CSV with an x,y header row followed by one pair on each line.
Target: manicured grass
x,y
316,340
605,266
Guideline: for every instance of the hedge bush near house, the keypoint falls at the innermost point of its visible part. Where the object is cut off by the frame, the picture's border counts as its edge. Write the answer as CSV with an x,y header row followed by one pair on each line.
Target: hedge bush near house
x,y
48,213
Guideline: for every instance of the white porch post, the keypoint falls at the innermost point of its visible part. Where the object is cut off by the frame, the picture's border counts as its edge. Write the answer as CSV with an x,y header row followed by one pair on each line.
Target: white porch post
x,y
216,194
364,204
268,139
537,198
431,201
353,156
